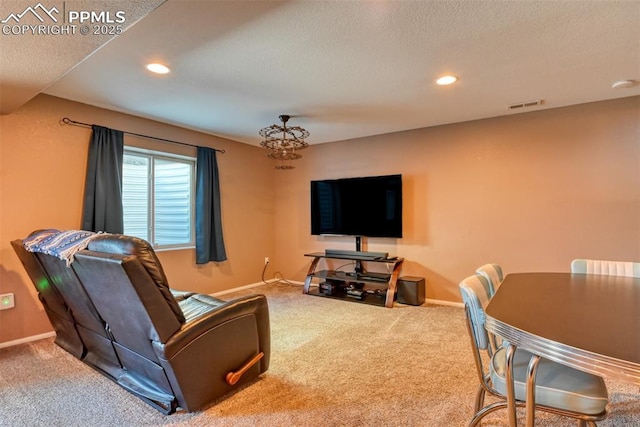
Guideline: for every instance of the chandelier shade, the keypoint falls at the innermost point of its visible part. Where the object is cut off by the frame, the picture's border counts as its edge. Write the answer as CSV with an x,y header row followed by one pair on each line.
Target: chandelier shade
x,y
283,141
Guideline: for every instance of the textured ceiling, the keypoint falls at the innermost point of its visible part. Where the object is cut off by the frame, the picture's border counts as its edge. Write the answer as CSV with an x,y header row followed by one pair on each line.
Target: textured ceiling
x,y
30,62
341,69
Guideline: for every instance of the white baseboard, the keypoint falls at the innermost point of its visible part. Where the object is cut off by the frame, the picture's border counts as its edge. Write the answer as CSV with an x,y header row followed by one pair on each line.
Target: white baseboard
x,y
441,302
228,291
242,288
53,334
27,339
254,285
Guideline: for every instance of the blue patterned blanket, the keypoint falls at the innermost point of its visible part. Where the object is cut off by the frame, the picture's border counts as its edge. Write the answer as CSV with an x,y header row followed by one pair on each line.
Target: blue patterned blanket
x,y
60,244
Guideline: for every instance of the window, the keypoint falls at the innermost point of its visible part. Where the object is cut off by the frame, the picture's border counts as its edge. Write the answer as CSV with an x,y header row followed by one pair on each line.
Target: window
x,y
157,197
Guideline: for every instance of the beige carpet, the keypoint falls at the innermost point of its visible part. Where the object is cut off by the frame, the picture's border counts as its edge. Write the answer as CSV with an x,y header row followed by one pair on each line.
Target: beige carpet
x,y
334,363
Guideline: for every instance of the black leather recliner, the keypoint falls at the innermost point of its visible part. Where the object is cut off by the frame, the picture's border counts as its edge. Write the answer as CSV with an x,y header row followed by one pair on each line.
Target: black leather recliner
x,y
113,309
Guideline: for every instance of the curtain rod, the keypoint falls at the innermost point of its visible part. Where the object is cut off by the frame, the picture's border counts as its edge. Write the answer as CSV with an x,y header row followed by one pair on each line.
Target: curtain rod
x,y
68,121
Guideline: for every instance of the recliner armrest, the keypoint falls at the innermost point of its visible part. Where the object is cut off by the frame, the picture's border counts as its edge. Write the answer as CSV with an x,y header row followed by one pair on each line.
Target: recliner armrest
x,y
248,305
181,295
197,305
220,340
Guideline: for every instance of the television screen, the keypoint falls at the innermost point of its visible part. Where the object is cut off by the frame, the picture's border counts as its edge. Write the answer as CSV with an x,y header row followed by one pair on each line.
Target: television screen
x,y
367,206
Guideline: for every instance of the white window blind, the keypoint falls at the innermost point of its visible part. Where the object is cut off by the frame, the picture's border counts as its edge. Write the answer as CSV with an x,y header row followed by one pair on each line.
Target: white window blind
x,y
158,198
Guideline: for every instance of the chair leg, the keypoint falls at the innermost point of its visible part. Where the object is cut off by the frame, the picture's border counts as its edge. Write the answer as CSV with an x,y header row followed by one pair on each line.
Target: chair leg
x,y
477,418
531,390
511,394
480,398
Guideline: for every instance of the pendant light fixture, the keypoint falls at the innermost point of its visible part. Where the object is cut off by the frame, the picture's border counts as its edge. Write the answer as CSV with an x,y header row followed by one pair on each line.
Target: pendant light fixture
x,y
283,142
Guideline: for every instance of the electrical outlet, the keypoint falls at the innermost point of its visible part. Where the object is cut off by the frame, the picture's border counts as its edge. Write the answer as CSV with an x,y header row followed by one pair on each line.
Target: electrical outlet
x,y
6,301
266,260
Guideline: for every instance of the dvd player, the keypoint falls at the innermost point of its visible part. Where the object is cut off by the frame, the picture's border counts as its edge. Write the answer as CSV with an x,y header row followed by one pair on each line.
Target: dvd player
x,y
357,293
355,254
378,277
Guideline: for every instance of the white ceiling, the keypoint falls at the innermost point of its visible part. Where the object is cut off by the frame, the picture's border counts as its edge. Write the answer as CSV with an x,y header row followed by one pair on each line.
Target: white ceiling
x,y
30,63
341,69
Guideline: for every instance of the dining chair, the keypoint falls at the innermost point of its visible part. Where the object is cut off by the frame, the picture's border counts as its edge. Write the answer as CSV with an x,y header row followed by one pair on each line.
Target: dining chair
x,y
608,268
558,389
493,274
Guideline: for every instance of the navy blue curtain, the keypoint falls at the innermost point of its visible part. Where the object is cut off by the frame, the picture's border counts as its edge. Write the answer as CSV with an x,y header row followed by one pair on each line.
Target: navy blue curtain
x,y
209,240
102,210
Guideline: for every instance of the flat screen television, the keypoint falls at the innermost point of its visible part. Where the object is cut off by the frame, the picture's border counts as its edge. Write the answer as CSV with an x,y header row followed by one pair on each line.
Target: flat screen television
x,y
367,206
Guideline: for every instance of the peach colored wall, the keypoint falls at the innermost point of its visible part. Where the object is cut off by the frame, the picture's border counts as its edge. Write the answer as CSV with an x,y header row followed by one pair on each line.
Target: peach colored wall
x,y
530,191
42,169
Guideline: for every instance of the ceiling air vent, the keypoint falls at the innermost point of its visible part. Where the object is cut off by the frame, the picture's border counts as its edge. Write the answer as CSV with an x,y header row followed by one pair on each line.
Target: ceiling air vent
x,y
526,104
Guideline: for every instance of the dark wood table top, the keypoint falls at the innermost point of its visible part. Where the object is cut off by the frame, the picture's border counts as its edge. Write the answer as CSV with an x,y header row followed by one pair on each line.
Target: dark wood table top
x,y
587,321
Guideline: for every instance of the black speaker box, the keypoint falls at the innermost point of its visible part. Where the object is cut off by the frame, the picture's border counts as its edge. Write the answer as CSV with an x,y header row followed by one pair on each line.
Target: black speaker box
x,y
411,290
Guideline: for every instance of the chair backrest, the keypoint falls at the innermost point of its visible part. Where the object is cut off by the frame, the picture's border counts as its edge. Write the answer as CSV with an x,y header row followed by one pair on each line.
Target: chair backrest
x,y
59,313
47,293
125,281
475,294
118,295
607,268
144,253
493,274
53,276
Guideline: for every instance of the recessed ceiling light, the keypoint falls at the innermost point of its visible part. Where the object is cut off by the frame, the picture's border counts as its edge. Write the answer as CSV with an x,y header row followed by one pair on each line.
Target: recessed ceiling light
x,y
623,84
158,68
446,80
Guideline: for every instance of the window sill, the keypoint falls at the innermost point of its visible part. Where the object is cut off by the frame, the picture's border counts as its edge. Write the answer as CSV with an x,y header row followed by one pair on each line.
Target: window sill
x,y
173,248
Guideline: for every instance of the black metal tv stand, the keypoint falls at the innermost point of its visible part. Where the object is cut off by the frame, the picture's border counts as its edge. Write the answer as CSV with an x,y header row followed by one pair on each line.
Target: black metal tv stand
x,y
359,285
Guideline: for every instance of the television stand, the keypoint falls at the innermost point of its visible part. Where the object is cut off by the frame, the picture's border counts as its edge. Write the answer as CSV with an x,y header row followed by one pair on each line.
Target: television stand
x,y
360,286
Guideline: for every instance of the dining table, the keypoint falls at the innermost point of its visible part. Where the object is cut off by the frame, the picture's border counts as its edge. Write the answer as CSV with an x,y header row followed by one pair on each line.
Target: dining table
x,y
589,322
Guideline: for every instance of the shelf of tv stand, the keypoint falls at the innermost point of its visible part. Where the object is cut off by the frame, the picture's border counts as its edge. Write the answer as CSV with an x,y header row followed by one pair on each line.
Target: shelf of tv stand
x,y
343,276
380,287
371,299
